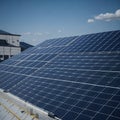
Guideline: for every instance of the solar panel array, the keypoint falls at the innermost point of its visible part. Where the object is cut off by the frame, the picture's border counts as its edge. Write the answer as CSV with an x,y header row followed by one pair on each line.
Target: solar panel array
x,y
76,78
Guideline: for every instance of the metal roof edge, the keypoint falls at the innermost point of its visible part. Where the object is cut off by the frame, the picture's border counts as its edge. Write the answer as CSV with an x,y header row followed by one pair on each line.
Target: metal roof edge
x,y
31,109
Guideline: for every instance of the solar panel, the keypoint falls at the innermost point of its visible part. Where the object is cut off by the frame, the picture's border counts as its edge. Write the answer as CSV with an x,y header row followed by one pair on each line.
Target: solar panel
x,y
76,78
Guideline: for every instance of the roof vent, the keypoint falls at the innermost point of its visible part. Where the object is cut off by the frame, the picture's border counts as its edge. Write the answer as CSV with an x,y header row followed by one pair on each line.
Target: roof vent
x,y
6,91
52,115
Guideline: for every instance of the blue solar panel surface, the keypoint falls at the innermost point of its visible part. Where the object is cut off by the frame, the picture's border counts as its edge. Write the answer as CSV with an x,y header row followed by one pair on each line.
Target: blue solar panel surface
x,y
76,78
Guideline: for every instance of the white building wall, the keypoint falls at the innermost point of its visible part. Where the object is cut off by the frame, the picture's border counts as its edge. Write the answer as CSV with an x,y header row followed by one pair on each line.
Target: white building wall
x,y
15,50
13,40
9,50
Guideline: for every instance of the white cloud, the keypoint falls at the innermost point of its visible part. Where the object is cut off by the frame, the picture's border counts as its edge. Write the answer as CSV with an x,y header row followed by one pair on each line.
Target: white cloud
x,y
107,16
38,33
59,31
34,40
118,13
47,33
30,33
90,20
27,33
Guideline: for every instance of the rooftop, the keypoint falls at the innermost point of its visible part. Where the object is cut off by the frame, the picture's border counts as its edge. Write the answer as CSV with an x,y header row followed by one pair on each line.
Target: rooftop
x,y
2,32
73,78
12,110
25,46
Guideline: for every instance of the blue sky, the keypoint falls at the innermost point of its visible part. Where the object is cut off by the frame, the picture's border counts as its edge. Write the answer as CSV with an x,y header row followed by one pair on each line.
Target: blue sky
x,y
38,20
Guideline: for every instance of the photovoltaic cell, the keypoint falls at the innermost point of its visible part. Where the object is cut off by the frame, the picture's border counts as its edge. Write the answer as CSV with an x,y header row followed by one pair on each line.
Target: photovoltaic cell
x,y
76,78
58,42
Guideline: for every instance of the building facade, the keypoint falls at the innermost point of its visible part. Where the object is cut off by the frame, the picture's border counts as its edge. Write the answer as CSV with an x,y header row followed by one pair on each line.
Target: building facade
x,y
9,45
